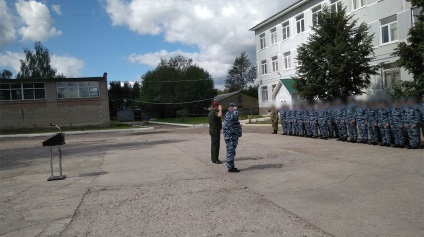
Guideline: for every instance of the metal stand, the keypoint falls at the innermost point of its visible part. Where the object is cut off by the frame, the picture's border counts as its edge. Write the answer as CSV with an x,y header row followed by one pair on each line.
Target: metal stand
x,y
56,140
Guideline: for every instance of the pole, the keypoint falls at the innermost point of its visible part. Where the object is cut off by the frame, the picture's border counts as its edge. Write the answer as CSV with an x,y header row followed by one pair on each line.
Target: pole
x,y
51,161
60,162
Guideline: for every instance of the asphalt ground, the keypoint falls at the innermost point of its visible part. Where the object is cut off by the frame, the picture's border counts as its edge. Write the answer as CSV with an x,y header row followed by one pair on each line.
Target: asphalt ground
x,y
162,183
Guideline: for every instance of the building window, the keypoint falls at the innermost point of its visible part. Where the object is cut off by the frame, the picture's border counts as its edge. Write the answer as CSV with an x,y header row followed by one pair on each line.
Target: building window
x,y
414,13
315,13
264,92
262,41
263,67
273,36
300,24
356,4
391,76
275,64
389,29
86,89
22,91
287,60
273,89
286,30
336,5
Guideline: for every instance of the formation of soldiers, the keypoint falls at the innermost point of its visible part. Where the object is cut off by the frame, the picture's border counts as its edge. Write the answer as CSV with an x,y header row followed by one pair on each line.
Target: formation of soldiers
x,y
395,123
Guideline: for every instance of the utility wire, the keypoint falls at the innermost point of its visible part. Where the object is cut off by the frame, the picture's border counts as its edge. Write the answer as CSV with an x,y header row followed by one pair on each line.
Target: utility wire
x,y
164,103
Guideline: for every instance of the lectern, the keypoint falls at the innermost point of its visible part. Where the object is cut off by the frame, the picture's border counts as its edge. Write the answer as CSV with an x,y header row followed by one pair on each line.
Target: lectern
x,y
56,140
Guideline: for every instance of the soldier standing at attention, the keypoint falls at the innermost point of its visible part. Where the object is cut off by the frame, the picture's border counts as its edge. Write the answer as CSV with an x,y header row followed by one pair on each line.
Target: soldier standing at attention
x,y
413,123
351,120
283,119
383,121
274,119
232,132
341,121
215,126
396,116
372,122
361,117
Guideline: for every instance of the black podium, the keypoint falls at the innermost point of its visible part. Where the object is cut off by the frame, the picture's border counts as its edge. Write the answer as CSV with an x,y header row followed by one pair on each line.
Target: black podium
x,y
56,140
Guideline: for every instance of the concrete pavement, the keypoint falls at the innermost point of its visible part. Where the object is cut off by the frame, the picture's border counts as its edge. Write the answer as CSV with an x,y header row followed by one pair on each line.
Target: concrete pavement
x,y
162,183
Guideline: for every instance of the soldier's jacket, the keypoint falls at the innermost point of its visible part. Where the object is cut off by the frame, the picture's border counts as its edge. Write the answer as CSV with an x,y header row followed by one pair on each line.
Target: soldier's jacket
x,y
274,116
351,114
396,115
299,116
341,113
313,117
232,127
372,116
421,109
412,116
361,114
322,115
383,116
282,115
289,116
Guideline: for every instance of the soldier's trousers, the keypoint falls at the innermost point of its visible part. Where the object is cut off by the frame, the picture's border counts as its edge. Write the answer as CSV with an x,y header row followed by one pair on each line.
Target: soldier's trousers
x,y
215,143
342,129
330,128
308,129
373,133
294,128
231,151
353,133
284,126
274,125
289,127
314,128
414,136
300,129
323,128
385,134
398,134
363,130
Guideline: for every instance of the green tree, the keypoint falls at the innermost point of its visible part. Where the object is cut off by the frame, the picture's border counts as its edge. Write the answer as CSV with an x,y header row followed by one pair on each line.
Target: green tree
x,y
6,74
411,56
174,81
335,62
241,74
37,64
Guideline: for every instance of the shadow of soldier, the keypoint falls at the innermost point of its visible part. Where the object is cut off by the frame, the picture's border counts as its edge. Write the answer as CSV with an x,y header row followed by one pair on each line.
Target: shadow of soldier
x,y
265,166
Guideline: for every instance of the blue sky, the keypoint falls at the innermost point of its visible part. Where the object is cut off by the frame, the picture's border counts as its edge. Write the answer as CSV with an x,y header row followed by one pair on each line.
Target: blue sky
x,y
127,38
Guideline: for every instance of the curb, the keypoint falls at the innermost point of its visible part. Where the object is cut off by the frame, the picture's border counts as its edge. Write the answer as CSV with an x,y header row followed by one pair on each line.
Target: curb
x,y
180,124
77,132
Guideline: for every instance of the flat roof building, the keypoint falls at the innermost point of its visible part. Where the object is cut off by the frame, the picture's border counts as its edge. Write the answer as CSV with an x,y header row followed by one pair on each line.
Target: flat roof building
x,y
36,103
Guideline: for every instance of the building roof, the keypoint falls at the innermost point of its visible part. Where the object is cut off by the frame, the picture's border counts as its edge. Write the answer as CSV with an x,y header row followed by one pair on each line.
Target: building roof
x,y
225,96
288,84
279,14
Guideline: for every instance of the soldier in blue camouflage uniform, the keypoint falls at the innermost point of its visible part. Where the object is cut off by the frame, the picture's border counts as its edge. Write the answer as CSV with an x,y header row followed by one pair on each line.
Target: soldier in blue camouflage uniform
x,y
323,118
383,121
341,120
331,124
313,121
351,120
308,129
300,115
413,120
421,109
283,119
232,133
361,118
289,121
372,122
397,121
294,117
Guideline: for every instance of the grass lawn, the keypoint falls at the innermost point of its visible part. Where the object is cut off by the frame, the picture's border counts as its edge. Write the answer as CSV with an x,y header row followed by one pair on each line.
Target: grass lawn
x,y
196,120
113,125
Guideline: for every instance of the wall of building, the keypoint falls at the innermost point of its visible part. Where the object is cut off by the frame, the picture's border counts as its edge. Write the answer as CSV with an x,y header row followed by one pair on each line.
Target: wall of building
x,y
372,14
21,114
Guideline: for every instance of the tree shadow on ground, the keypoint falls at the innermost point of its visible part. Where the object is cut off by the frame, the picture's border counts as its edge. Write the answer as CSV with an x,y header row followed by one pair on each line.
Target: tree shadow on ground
x,y
265,166
92,174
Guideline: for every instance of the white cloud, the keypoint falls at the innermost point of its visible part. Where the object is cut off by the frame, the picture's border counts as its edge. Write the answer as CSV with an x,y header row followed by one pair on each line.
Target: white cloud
x,y
219,29
66,65
11,59
56,8
37,21
7,30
